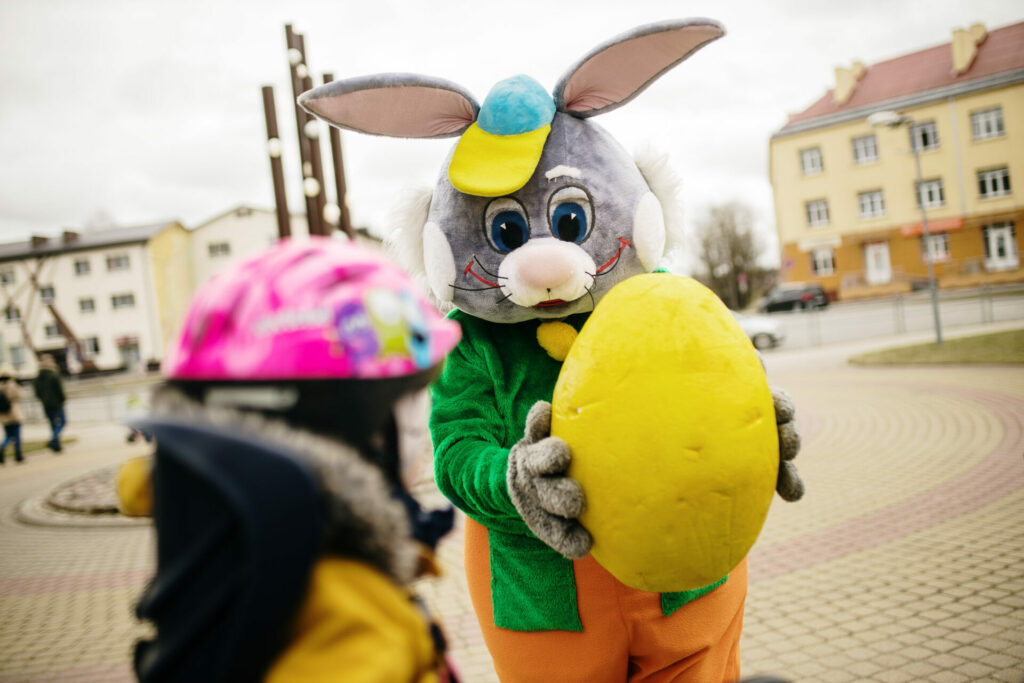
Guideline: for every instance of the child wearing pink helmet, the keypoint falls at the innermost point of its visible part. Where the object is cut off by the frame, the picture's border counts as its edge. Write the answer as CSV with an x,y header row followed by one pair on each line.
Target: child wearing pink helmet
x,y
285,531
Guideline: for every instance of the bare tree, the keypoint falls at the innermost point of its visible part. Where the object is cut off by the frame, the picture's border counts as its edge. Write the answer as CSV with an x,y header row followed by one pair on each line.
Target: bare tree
x,y
728,254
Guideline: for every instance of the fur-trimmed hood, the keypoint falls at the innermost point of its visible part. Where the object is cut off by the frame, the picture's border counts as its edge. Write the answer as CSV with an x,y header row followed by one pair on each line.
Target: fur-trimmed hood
x,y
363,520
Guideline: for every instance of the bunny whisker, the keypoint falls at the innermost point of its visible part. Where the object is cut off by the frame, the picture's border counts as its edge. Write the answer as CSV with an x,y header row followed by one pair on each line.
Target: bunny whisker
x,y
487,272
470,289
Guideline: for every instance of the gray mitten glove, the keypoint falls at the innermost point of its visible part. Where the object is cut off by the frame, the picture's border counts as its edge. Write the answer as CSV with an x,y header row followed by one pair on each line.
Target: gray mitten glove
x,y
790,485
547,500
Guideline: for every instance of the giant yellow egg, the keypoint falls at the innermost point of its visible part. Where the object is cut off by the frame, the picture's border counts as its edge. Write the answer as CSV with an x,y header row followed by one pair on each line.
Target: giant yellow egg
x,y
670,422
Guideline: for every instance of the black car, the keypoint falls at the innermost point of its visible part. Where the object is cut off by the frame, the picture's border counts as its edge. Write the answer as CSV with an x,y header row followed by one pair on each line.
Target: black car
x,y
792,296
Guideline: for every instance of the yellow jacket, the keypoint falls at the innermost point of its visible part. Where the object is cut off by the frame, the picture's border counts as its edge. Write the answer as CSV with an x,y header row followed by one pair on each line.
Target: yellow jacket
x,y
356,625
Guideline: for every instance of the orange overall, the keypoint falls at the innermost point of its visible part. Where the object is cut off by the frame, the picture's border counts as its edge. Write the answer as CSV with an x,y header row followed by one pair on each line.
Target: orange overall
x,y
625,636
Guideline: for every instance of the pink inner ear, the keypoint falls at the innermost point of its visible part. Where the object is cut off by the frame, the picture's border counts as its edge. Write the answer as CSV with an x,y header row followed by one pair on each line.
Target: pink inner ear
x,y
404,112
622,70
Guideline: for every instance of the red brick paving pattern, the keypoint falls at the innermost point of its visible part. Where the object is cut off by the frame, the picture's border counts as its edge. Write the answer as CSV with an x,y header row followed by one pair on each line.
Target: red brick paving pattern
x,y
904,562
1000,474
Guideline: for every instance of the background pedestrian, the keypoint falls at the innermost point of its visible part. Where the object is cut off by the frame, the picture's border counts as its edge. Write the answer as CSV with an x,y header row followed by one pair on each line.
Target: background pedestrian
x,y
50,392
10,412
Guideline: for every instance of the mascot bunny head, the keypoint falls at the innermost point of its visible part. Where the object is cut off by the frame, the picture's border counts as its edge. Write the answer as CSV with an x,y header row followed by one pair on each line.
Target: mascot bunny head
x,y
538,211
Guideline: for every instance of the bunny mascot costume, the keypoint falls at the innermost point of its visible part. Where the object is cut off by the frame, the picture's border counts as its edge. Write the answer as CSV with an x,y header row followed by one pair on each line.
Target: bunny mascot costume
x,y
537,213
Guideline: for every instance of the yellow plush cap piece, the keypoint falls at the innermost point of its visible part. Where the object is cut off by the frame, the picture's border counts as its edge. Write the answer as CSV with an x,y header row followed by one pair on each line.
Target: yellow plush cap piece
x,y
671,426
488,165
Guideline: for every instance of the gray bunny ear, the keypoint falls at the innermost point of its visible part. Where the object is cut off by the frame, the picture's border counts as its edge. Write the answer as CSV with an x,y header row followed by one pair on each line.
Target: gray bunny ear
x,y
620,69
395,105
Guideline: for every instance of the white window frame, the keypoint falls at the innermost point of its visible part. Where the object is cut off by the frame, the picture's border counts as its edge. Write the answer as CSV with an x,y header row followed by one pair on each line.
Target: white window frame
x,y
811,162
47,293
218,249
994,182
87,305
817,212
931,194
90,347
51,330
7,276
82,267
823,261
924,136
987,123
17,354
935,247
116,262
1008,261
127,301
865,149
12,314
872,204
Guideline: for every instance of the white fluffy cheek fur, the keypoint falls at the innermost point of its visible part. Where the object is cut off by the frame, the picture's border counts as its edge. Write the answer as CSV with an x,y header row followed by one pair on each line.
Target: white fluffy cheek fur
x,y
649,231
438,262
546,270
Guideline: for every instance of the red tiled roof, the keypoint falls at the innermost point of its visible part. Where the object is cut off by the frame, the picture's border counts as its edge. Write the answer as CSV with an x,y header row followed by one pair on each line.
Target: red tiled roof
x,y
918,72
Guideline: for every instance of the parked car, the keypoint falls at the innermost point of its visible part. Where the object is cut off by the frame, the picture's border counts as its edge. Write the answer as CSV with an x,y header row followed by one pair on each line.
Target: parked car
x,y
764,332
793,295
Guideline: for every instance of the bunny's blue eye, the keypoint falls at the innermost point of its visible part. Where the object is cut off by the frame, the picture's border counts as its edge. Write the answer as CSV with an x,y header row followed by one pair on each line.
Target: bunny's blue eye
x,y
570,213
509,231
569,222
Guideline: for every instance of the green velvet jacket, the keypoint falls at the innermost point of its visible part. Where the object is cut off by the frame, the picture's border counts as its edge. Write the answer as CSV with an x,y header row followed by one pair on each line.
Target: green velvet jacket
x,y
490,381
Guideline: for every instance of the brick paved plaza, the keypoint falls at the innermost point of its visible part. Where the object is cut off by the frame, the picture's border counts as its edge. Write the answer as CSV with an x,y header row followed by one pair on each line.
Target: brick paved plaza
x,y
904,562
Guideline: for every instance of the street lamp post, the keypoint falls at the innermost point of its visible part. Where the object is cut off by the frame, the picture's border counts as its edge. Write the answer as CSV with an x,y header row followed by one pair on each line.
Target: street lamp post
x,y
891,119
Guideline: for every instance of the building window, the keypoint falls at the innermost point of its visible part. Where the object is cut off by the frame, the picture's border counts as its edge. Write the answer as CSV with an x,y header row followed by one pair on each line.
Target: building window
x,y
52,330
91,347
117,262
823,261
810,161
122,301
82,266
987,124
218,249
46,293
87,305
994,183
17,356
935,247
872,204
924,136
12,314
865,149
817,213
1000,246
7,276
930,194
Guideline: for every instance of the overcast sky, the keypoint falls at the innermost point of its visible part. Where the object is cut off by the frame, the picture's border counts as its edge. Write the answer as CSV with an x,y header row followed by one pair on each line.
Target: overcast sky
x,y
151,110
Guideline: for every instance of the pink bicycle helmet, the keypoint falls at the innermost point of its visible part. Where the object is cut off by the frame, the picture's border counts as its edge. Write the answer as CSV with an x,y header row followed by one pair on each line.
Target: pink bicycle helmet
x,y
313,310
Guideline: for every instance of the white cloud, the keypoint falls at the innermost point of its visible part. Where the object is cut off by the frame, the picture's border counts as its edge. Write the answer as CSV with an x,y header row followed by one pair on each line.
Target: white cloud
x,y
153,110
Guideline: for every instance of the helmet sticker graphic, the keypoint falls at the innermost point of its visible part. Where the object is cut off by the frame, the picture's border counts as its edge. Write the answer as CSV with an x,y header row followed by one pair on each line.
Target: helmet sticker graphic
x,y
383,324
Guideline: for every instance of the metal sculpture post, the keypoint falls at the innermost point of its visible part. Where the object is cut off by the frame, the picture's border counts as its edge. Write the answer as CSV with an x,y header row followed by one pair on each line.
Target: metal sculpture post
x,y
891,119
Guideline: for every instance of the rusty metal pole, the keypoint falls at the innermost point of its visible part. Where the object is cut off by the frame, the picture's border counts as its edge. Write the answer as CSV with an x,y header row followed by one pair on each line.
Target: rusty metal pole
x,y
344,222
296,60
311,129
284,228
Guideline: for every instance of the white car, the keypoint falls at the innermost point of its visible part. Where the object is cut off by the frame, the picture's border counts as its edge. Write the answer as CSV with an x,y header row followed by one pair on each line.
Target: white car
x,y
764,332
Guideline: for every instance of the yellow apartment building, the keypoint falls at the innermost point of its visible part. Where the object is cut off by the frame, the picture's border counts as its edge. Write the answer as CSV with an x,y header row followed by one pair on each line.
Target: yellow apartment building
x,y
847,198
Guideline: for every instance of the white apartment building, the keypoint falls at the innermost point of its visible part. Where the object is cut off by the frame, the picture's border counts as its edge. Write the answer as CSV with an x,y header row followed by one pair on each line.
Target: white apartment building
x,y
234,235
122,293
111,289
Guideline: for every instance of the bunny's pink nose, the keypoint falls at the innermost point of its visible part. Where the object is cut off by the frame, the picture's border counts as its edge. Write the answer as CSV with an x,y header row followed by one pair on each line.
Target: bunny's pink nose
x,y
546,269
